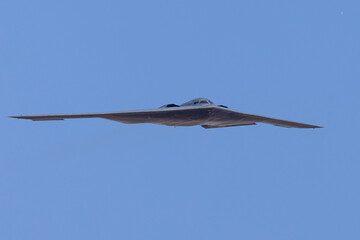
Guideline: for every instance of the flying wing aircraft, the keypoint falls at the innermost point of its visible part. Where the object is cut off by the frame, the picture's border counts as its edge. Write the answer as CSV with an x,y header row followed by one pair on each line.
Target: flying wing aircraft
x,y
199,111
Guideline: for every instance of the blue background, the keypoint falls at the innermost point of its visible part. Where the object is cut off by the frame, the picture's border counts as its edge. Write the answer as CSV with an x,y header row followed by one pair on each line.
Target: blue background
x,y
99,179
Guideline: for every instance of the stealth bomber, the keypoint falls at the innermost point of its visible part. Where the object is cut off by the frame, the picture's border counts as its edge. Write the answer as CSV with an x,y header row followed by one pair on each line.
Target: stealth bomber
x,y
199,111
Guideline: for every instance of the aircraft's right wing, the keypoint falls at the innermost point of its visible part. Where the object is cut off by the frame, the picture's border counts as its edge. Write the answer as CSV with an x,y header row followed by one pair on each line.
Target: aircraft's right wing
x,y
177,116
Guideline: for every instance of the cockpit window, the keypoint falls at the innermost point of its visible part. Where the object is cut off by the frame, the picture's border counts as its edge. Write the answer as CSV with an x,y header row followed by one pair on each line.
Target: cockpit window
x,y
197,101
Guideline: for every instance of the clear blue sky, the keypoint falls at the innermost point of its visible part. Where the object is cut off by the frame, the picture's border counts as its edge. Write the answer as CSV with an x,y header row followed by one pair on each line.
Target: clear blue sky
x,y
98,179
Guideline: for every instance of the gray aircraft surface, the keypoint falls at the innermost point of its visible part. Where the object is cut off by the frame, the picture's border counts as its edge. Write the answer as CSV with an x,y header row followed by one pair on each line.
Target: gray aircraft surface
x,y
199,111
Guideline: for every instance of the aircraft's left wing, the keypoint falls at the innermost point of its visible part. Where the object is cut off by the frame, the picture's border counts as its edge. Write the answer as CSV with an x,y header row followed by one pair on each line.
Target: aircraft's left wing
x,y
281,123
228,117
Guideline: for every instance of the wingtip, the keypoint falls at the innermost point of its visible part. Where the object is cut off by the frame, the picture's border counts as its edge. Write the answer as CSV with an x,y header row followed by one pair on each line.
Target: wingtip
x,y
314,126
18,117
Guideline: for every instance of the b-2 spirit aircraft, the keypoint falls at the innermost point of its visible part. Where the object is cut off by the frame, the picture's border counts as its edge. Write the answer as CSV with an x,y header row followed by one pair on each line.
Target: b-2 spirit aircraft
x,y
199,111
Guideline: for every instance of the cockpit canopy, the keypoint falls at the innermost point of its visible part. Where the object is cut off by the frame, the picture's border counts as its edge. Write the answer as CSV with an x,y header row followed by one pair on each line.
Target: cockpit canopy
x,y
197,101
194,102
